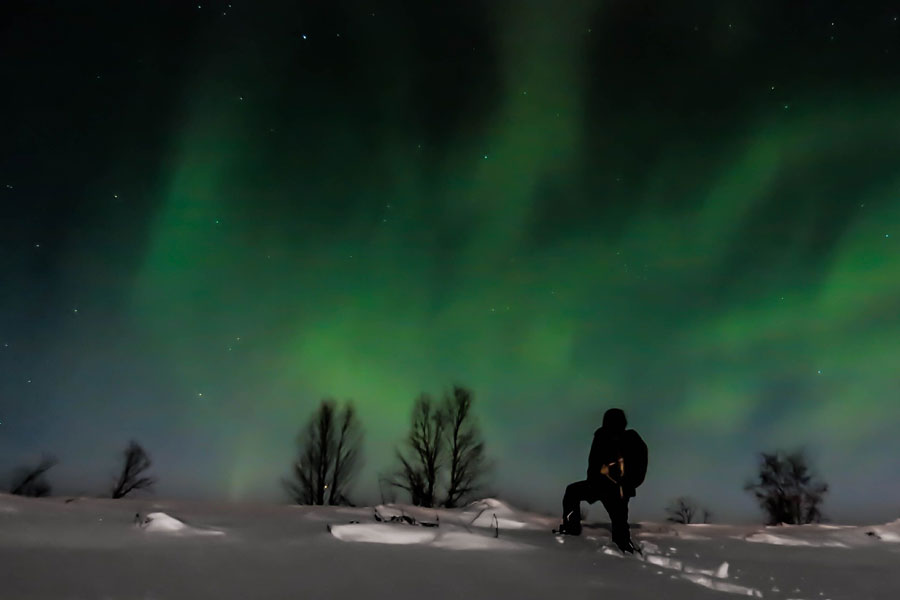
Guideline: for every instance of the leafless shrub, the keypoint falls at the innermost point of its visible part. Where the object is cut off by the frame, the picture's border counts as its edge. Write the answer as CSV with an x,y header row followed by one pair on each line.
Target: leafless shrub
x,y
786,490
30,481
685,510
131,478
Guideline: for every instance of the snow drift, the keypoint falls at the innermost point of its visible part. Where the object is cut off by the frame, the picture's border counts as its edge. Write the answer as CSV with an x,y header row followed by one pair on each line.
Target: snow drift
x,y
133,548
160,522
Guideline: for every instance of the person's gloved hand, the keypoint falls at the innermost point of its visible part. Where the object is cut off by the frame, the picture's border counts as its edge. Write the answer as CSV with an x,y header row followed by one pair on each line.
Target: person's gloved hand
x,y
613,470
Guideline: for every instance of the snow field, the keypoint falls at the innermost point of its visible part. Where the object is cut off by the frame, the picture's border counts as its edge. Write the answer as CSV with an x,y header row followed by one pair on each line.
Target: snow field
x,y
91,548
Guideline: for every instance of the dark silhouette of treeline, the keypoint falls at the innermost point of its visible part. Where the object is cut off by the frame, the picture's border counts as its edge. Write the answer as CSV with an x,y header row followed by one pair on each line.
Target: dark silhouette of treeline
x,y
441,462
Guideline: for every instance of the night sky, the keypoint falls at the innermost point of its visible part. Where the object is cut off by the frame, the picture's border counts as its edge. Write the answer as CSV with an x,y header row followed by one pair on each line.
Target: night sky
x,y
216,214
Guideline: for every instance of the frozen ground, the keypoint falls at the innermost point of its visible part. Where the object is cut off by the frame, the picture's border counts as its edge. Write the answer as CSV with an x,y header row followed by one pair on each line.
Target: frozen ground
x,y
101,549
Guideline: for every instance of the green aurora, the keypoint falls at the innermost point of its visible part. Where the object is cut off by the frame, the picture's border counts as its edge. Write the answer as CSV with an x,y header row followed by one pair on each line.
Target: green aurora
x,y
556,220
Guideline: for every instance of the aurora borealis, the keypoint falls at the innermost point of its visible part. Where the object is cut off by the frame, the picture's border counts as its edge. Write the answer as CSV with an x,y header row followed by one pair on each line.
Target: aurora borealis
x,y
215,215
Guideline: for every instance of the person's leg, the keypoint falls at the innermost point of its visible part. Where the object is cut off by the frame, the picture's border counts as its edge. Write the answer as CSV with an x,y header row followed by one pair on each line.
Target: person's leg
x,y
575,493
617,507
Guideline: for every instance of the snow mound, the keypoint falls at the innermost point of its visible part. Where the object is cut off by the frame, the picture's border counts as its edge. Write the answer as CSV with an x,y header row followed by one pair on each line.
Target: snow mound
x,y
720,573
382,533
722,586
390,511
703,577
664,562
889,532
784,540
392,533
160,522
482,513
649,548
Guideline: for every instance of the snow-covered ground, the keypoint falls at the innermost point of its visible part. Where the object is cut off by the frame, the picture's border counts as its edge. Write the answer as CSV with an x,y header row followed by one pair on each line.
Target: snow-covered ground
x,y
146,549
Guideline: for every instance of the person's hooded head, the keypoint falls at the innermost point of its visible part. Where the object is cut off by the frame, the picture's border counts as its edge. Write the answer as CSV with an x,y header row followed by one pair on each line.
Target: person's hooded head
x,y
614,420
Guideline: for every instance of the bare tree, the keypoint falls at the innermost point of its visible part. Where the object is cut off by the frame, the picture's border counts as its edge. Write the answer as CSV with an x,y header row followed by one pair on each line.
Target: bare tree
x,y
329,456
30,481
131,478
684,510
346,455
786,490
420,469
465,447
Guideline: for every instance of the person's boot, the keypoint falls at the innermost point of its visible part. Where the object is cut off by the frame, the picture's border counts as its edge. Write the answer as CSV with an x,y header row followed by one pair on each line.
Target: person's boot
x,y
570,526
624,544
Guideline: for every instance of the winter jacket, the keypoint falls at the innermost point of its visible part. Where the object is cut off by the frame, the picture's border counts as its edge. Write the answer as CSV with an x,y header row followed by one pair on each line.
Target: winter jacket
x,y
608,447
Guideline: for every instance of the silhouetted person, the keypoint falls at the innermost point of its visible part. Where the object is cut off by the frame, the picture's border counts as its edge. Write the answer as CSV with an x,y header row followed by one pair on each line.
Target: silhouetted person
x,y
616,466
